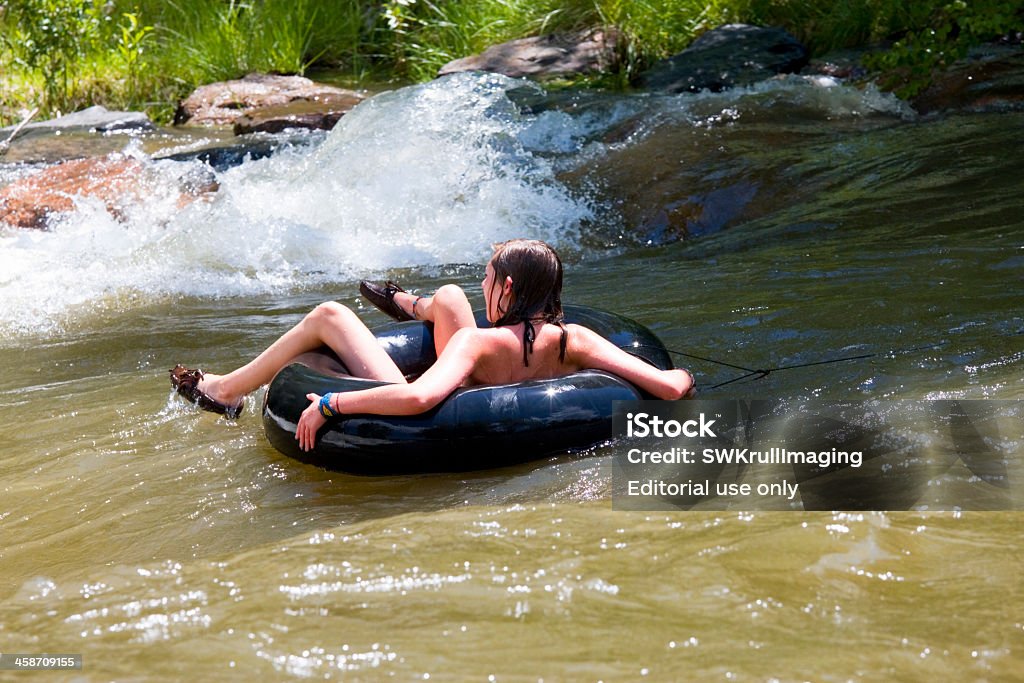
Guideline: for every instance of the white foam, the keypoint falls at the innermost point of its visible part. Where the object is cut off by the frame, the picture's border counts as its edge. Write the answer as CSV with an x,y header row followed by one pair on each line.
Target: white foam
x,y
787,97
425,175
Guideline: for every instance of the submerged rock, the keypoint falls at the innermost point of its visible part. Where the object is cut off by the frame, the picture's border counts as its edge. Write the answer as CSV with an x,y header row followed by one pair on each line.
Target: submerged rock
x,y
222,157
990,80
728,56
31,201
549,56
226,103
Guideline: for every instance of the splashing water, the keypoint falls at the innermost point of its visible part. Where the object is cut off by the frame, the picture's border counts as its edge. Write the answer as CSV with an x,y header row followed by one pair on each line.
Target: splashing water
x,y
425,175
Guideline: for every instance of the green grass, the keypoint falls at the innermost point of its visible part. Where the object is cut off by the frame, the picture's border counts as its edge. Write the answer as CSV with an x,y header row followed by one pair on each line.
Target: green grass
x,y
429,34
218,40
148,54
181,44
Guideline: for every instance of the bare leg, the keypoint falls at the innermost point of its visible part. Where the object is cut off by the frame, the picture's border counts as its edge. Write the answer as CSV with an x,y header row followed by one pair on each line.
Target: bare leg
x,y
448,309
329,323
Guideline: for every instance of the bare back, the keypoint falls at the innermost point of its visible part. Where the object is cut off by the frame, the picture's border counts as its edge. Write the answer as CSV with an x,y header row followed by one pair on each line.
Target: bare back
x,y
502,360
498,359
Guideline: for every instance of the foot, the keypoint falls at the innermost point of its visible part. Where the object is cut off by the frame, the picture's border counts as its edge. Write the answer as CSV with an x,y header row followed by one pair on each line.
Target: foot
x,y
212,385
390,298
201,389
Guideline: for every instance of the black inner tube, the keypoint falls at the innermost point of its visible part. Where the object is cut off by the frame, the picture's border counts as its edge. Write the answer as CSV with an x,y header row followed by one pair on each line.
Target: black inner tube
x,y
474,428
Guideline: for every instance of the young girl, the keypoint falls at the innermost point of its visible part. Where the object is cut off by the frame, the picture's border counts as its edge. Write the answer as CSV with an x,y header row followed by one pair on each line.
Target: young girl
x,y
528,340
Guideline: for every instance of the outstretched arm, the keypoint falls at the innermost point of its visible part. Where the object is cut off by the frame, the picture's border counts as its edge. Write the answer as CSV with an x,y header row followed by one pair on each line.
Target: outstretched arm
x,y
587,349
455,364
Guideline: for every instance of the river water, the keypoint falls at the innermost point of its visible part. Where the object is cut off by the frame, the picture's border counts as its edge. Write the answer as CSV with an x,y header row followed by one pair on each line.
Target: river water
x,y
789,223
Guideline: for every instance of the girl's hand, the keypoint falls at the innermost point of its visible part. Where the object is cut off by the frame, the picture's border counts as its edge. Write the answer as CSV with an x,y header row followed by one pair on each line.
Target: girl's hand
x,y
309,423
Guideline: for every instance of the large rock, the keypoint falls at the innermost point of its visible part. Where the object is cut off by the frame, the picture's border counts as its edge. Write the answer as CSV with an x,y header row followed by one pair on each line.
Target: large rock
x,y
93,119
550,56
223,104
728,56
295,114
31,201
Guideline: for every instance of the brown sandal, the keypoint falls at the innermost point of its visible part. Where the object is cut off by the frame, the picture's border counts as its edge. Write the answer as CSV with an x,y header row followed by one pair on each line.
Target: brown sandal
x,y
186,382
383,297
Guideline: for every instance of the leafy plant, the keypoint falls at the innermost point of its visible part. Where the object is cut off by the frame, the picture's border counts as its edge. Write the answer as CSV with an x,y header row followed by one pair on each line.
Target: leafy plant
x,y
907,68
59,54
53,36
130,47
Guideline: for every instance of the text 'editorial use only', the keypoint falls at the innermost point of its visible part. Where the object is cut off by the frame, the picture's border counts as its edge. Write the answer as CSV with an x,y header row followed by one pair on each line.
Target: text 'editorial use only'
x,y
812,455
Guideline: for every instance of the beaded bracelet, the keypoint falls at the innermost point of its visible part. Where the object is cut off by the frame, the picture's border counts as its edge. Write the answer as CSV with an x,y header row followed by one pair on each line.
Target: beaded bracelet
x,y
325,405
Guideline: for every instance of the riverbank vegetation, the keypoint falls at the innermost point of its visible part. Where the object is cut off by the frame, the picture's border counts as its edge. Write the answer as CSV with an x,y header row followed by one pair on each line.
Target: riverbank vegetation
x,y
62,55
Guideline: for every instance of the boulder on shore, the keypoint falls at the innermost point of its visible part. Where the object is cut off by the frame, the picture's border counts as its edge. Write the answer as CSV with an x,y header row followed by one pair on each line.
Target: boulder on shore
x,y
227,102
31,201
549,56
725,57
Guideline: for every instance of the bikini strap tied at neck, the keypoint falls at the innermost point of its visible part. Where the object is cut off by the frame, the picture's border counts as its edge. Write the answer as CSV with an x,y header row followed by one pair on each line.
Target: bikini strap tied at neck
x,y
530,335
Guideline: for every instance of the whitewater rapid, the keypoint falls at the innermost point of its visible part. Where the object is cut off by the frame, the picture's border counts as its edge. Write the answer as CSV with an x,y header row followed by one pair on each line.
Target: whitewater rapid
x,y
421,176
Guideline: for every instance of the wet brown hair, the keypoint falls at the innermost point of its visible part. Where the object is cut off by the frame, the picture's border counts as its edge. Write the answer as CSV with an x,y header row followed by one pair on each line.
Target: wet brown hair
x,y
536,273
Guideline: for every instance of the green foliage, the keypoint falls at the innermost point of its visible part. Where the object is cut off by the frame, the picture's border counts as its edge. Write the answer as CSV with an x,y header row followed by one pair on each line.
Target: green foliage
x,y
421,36
945,37
130,41
207,40
426,34
70,53
655,29
50,37
827,26
62,54
229,39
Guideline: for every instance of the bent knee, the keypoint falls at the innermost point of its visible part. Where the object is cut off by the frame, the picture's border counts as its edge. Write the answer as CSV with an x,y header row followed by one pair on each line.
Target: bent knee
x,y
449,294
331,310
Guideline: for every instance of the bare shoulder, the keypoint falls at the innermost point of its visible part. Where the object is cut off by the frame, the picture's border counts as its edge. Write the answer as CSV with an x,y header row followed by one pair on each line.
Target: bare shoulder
x,y
482,339
580,329
581,339
589,349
